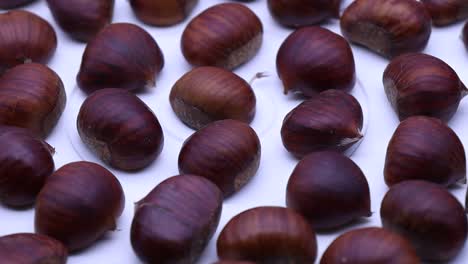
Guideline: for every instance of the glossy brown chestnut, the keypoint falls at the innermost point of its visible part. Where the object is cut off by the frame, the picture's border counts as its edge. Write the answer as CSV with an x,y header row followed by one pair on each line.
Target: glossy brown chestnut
x,y
162,12
79,203
227,152
426,214
120,128
175,221
25,37
332,120
26,248
268,235
224,35
314,59
387,27
121,55
208,94
369,246
420,84
25,164
424,148
82,20
446,12
32,96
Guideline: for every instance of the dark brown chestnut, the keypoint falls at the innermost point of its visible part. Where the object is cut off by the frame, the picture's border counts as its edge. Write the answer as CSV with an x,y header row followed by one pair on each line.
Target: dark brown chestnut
x,y
314,59
26,248
82,20
426,214
227,152
446,12
369,246
424,148
233,262
26,163
175,221
162,12
25,37
121,55
465,35
7,4
32,96
268,235
332,120
79,203
224,35
120,128
420,84
329,190
208,94
387,27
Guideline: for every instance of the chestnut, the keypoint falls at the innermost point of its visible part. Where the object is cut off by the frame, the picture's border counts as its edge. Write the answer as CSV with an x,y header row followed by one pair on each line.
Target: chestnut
x,y
227,152
314,59
120,129
387,27
431,218
268,235
424,148
465,35
82,20
162,12
446,12
79,203
122,55
332,120
26,248
207,94
7,4
224,35
32,96
368,246
33,40
26,163
176,220
233,262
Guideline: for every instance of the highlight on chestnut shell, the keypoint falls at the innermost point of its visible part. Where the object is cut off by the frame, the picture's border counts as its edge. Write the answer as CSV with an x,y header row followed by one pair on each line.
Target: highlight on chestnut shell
x,y
446,12
162,12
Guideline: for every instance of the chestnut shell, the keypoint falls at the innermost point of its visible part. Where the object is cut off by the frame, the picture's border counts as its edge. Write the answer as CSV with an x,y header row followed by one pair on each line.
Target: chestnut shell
x,y
7,4
162,13
446,12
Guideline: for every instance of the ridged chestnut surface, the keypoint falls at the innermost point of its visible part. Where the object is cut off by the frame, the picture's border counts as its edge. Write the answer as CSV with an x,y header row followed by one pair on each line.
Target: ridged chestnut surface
x,y
162,12
446,12
207,94
387,27
431,218
224,35
227,152
314,59
25,37
120,129
329,190
268,235
122,55
332,120
32,96
175,221
424,148
79,203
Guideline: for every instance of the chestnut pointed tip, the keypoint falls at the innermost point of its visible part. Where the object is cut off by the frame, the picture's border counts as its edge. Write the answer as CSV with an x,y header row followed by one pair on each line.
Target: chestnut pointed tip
x,y
348,141
151,83
258,75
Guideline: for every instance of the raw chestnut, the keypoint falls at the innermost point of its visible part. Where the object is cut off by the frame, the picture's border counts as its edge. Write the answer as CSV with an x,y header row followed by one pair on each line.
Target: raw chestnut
x,y
224,35
233,262
420,84
176,220
208,94
426,214
268,235
82,19
162,12
329,190
369,246
446,12
120,129
387,27
26,248
424,148
79,203
7,4
227,152
25,37
332,120
314,59
465,35
26,163
32,96
121,55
